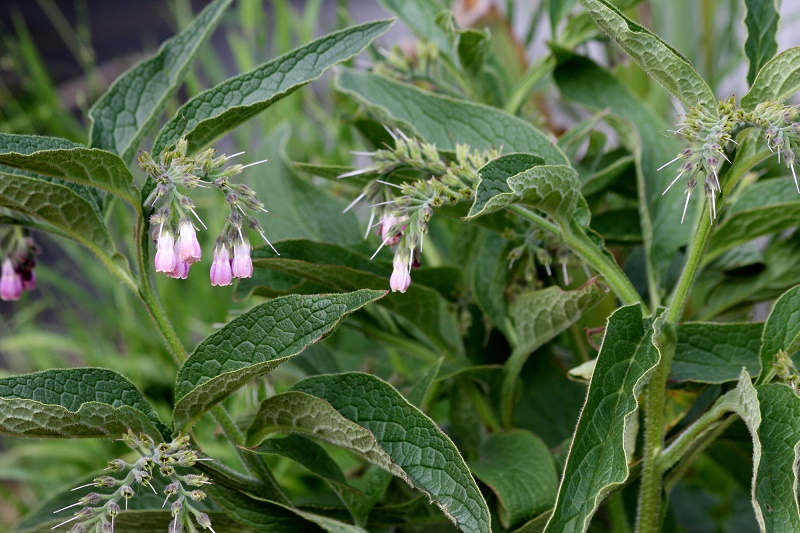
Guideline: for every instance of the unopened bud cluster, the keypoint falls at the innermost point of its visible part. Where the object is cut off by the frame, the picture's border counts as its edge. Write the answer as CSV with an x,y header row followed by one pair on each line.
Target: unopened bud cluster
x,y
786,371
18,252
712,134
404,209
418,64
167,460
176,175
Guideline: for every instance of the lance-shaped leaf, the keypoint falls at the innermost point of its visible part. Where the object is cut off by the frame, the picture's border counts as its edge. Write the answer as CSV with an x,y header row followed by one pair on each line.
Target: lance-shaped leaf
x,y
337,268
597,460
668,66
716,353
538,317
314,457
445,121
303,414
782,330
777,80
776,478
75,403
519,468
81,165
762,209
66,211
523,179
762,26
220,109
254,343
125,113
413,441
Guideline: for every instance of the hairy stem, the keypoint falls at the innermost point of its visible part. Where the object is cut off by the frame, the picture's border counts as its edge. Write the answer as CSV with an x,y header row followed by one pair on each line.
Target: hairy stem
x,y
651,492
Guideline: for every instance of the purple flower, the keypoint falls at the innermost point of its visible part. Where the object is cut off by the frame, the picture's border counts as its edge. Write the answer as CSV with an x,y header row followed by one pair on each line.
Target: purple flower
x,y
188,249
401,275
181,269
387,227
221,266
165,252
28,279
10,282
242,264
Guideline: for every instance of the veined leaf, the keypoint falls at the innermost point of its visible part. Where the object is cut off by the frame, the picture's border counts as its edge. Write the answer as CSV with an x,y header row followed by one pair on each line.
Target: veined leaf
x,y
81,165
413,441
253,344
518,467
776,478
657,58
523,179
445,121
597,460
75,403
220,109
66,211
762,26
782,330
125,113
777,80
716,353
762,209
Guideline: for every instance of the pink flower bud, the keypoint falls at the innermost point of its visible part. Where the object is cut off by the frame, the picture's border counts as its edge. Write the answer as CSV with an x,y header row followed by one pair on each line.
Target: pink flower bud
x,y
401,275
387,227
10,282
221,266
165,253
242,264
188,248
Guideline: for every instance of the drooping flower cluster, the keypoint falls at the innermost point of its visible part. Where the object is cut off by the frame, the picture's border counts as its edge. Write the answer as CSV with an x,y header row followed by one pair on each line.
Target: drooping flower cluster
x,y
18,252
168,460
712,134
423,181
173,227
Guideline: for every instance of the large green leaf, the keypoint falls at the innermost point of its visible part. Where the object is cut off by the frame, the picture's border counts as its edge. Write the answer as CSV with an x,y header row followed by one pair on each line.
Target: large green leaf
x,y
523,179
716,353
776,479
338,268
668,66
642,132
66,211
518,467
488,280
445,121
75,403
413,441
81,165
125,113
597,460
303,414
762,209
762,26
220,109
782,330
253,344
777,80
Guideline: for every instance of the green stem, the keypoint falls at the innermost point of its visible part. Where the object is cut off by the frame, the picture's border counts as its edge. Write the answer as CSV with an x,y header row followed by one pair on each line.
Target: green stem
x,y
651,492
617,514
580,243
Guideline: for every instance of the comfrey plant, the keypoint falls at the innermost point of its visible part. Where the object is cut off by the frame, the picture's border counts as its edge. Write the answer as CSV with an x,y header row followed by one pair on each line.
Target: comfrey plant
x,y
555,341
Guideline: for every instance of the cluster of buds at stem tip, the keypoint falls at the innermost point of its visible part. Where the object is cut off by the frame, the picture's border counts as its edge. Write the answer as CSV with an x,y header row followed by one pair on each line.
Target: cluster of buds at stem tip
x,y
167,460
172,223
406,183
712,134
18,252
